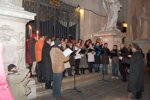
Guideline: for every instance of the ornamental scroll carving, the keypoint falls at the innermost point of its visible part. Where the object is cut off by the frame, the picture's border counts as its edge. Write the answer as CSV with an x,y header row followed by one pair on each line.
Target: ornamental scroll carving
x,y
14,46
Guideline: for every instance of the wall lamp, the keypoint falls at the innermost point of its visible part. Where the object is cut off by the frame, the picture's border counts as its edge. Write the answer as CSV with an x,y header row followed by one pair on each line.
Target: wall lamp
x,y
124,26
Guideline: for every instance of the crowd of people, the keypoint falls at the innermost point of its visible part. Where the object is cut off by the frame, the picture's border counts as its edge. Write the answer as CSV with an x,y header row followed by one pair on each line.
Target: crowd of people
x,y
46,60
52,65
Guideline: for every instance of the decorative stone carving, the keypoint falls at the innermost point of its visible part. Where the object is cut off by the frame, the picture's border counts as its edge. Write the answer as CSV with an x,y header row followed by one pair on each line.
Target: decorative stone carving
x,y
11,3
111,8
144,23
14,47
5,2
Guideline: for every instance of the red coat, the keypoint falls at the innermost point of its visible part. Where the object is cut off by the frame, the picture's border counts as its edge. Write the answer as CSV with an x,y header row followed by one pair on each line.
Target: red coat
x,y
28,57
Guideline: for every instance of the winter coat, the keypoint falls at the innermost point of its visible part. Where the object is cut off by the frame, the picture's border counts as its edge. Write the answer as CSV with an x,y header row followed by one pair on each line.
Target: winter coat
x,y
105,54
124,52
18,84
72,60
38,50
136,74
28,57
5,93
148,59
83,62
47,64
32,50
114,56
97,55
58,60
130,52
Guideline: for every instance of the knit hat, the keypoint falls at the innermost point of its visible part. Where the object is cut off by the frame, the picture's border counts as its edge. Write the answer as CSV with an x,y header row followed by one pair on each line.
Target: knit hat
x,y
11,66
57,42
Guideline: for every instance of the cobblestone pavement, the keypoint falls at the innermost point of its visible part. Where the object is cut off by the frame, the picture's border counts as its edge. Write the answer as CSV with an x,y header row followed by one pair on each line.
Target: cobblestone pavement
x,y
101,90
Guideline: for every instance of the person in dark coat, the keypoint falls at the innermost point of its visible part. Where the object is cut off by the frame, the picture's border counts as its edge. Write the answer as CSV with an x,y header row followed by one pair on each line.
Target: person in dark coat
x,y
32,53
97,48
142,53
148,61
47,65
115,62
105,59
136,74
130,50
71,60
122,68
32,47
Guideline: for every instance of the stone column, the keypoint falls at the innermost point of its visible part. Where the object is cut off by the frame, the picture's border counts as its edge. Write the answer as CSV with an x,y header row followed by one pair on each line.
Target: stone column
x,y
143,28
13,20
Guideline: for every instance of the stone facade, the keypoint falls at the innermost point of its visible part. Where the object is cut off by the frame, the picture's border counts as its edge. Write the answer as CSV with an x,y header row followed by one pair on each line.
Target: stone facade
x,y
12,32
130,13
89,22
12,35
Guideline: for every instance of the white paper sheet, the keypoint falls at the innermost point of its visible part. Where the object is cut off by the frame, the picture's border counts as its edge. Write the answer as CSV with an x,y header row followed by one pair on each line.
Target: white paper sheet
x,y
67,52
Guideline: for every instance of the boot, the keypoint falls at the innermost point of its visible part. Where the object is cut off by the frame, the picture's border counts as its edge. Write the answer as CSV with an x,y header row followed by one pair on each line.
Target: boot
x,y
64,74
81,69
139,95
48,85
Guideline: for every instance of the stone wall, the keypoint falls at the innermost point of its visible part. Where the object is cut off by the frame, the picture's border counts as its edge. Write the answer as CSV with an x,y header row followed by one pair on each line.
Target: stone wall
x,y
130,13
89,22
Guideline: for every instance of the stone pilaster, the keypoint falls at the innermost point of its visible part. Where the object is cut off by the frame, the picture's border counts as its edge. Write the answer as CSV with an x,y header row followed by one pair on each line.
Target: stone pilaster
x,y
12,33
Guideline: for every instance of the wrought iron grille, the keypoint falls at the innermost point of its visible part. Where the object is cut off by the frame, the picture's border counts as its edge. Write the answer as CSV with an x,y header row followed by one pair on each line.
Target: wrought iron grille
x,y
50,20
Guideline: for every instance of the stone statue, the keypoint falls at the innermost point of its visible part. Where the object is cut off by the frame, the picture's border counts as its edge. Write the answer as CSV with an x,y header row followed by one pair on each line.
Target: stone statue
x,y
144,24
111,8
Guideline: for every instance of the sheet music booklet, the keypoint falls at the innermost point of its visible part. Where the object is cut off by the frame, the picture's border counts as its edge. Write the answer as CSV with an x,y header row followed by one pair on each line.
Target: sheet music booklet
x,y
67,52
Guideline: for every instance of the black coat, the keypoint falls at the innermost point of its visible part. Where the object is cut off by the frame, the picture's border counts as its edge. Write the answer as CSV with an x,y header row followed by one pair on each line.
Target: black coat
x,y
72,60
105,54
124,52
32,49
47,64
136,74
97,58
148,59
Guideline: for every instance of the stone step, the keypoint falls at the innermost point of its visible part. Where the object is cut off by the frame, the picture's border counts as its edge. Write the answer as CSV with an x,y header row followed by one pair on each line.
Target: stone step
x,y
68,82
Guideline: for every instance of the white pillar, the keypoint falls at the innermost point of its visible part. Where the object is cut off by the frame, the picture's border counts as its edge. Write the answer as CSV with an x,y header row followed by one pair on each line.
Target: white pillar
x,y
13,21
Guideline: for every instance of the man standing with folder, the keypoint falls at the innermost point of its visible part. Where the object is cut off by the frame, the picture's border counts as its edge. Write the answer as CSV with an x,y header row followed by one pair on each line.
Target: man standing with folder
x,y
58,60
